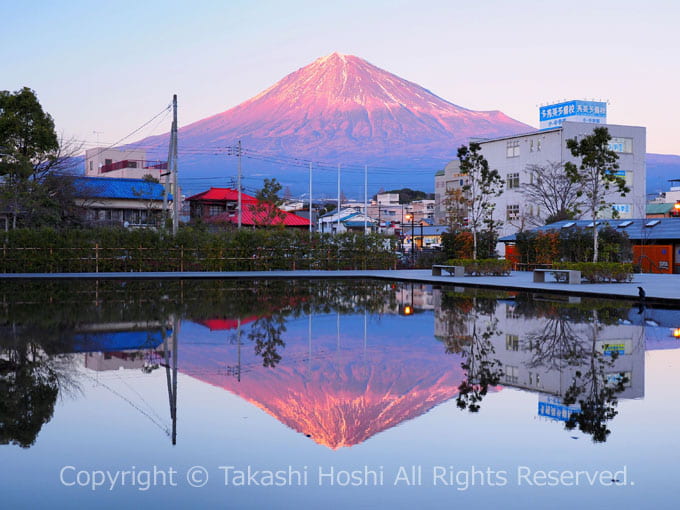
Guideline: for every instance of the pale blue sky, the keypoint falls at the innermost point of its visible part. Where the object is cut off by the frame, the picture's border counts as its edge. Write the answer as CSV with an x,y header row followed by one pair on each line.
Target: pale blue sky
x,y
111,66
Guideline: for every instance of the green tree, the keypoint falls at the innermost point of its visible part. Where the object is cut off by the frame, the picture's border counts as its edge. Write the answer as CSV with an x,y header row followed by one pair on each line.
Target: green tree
x,y
481,186
33,163
267,212
28,141
595,175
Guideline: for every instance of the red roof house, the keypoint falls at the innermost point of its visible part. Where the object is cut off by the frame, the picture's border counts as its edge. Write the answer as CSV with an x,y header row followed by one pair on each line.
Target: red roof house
x,y
219,206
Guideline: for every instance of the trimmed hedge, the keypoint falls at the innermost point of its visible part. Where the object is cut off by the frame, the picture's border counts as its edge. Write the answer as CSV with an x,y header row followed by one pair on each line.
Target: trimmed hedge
x,y
116,250
600,272
483,267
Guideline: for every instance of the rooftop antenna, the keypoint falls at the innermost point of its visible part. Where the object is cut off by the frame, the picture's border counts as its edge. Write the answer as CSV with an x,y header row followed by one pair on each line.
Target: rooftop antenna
x,y
97,133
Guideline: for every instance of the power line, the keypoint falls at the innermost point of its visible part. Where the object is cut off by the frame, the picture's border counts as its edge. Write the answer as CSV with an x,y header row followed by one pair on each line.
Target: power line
x,y
165,110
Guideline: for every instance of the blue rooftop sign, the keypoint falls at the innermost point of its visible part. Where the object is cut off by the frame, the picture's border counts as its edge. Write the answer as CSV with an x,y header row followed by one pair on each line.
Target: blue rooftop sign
x,y
553,115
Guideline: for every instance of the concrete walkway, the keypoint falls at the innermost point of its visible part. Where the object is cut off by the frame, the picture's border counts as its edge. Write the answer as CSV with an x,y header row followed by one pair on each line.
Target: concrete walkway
x,y
659,287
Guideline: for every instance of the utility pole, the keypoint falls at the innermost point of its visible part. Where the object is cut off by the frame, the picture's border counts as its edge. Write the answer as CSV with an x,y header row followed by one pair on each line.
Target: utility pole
x,y
168,171
166,186
175,189
238,186
310,198
365,199
337,228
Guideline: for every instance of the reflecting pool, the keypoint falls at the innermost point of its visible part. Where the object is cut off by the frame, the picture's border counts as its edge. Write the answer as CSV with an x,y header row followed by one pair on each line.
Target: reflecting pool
x,y
347,393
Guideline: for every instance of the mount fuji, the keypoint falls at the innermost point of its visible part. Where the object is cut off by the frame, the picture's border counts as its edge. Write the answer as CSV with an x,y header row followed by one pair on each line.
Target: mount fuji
x,y
340,109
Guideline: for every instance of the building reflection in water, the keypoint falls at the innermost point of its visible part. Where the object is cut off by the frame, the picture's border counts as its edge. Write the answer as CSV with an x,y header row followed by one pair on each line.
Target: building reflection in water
x,y
578,356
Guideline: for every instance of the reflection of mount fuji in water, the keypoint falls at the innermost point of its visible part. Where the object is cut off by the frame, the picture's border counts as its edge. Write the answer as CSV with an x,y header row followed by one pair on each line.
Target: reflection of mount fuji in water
x,y
342,395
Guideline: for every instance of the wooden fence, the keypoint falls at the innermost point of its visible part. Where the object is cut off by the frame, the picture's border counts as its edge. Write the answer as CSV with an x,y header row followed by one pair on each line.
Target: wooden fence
x,y
140,258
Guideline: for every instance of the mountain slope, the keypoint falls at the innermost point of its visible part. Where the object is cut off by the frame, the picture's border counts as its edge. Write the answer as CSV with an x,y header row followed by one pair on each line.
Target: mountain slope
x,y
342,109
343,106
660,169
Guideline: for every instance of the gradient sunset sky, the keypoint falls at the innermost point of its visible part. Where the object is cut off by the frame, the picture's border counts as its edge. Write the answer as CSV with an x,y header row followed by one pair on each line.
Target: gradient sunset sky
x,y
108,67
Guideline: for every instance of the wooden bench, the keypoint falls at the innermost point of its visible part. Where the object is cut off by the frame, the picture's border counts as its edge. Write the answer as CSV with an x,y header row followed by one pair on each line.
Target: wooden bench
x,y
573,276
452,270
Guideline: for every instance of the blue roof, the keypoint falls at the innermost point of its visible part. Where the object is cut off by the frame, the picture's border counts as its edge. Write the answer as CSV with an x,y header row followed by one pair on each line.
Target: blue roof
x,y
110,187
428,230
648,229
117,341
351,215
359,223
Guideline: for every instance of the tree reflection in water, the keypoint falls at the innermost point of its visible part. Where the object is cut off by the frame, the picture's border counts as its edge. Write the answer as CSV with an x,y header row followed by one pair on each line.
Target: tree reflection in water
x,y
267,333
594,385
30,380
595,388
473,325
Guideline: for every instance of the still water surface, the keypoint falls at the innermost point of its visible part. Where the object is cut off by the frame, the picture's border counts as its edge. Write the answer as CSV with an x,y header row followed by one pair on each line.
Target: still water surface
x,y
350,394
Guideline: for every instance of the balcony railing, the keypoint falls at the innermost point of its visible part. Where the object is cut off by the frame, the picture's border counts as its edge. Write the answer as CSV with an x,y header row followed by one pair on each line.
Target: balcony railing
x,y
134,163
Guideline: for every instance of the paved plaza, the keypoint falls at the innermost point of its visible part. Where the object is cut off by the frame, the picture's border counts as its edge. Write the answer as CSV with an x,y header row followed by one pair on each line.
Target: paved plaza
x,y
658,287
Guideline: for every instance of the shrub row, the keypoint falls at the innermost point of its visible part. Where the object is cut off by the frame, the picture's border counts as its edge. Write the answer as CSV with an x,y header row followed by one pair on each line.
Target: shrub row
x,y
598,272
483,267
105,250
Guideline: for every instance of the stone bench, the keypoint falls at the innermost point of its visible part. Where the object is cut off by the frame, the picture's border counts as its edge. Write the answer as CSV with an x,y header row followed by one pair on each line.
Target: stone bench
x,y
452,270
573,276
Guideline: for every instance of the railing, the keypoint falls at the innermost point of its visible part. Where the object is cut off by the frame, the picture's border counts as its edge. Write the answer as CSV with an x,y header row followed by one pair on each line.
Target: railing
x,y
133,163
522,266
135,259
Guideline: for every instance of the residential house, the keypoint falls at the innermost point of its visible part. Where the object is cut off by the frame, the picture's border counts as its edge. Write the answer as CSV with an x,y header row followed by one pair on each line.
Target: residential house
x,y
122,163
346,220
219,206
124,202
423,235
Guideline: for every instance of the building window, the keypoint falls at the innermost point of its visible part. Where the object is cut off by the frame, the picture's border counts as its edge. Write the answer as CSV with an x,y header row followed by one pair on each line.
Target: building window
x,y
511,342
132,164
513,181
510,313
512,212
214,210
512,149
131,216
108,161
511,374
538,145
622,145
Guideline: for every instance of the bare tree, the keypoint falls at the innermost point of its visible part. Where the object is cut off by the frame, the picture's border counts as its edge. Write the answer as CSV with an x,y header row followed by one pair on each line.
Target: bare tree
x,y
456,205
551,190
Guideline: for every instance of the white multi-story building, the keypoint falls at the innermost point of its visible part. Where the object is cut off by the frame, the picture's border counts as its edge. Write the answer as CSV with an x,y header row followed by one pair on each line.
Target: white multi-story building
x,y
124,164
512,155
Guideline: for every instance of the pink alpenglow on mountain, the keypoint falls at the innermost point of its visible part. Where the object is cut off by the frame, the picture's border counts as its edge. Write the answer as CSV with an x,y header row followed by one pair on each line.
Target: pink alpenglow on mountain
x,y
340,108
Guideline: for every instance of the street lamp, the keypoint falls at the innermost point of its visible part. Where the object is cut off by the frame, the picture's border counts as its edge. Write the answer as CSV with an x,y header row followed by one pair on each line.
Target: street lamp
x,y
411,217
